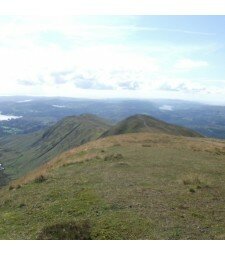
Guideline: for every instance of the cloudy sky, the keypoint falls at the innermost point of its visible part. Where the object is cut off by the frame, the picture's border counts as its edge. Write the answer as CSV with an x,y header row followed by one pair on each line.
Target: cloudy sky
x,y
114,56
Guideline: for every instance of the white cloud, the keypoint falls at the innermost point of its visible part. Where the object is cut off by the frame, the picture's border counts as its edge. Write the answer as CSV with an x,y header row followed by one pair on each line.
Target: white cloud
x,y
189,64
127,7
108,66
93,65
183,85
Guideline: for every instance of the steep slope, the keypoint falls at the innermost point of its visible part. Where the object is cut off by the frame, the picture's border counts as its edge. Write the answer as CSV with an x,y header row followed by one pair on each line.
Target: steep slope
x,y
144,123
132,186
23,153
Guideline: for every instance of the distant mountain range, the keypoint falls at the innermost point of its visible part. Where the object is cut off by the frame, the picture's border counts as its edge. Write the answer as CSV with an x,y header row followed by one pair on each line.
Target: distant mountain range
x,y
38,113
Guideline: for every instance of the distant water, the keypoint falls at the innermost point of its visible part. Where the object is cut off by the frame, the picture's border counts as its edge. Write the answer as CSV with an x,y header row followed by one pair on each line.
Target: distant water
x,y
58,106
8,117
25,101
166,107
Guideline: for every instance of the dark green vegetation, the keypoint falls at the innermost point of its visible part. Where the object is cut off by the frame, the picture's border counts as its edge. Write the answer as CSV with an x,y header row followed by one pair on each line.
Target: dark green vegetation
x,y
20,154
4,178
143,123
41,113
132,186
66,231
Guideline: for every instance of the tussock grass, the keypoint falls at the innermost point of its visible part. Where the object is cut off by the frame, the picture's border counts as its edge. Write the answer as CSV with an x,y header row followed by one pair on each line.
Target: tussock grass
x,y
12,187
196,180
39,179
121,164
192,190
66,231
112,157
146,145
191,179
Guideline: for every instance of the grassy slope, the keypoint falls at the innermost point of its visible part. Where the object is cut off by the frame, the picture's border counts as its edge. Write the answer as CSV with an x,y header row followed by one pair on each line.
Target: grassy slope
x,y
145,123
21,154
134,186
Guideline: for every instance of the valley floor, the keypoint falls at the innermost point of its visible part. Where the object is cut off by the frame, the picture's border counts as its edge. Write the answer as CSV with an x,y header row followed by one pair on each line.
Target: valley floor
x,y
134,186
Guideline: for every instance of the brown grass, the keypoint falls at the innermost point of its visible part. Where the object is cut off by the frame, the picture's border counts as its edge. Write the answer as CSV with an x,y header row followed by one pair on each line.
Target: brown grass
x,y
195,180
156,140
191,179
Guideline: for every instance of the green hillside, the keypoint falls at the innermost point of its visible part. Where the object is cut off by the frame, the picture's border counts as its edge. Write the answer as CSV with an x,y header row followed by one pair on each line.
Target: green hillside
x,y
23,153
144,123
133,186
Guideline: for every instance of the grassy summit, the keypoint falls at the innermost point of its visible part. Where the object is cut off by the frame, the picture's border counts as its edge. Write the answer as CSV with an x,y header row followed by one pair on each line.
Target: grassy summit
x,y
132,186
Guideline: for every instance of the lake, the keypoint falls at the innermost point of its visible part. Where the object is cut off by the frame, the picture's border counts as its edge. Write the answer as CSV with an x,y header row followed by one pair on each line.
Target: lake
x,y
8,117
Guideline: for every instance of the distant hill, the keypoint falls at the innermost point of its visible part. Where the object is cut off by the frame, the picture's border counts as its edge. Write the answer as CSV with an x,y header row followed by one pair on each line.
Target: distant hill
x,y
144,123
23,153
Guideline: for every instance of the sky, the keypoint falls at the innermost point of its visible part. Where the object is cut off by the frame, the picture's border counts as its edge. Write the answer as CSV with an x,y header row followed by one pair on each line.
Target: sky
x,y
176,57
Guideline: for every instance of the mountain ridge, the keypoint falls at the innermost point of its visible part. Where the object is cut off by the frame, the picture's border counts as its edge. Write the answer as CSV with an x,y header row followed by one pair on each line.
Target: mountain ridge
x,y
42,146
144,123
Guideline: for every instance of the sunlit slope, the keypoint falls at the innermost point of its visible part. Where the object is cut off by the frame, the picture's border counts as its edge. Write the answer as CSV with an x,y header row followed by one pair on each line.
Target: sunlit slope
x,y
133,186
23,153
144,123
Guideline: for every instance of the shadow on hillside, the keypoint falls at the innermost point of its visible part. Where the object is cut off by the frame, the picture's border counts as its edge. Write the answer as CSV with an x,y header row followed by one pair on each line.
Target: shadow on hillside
x,y
4,179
